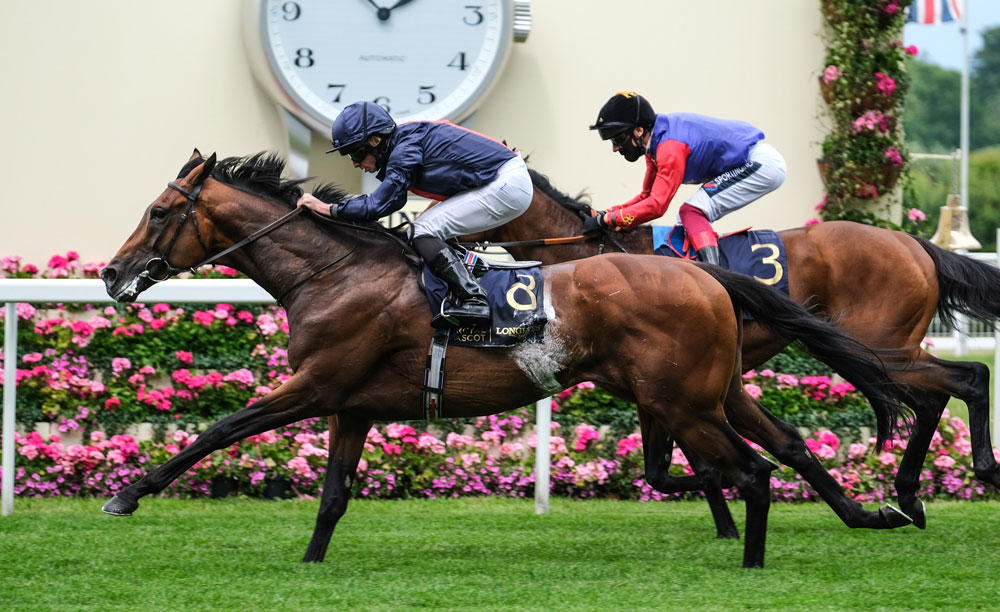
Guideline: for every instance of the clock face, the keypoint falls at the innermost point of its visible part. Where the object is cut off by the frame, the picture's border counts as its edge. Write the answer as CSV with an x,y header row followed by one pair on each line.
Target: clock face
x,y
418,59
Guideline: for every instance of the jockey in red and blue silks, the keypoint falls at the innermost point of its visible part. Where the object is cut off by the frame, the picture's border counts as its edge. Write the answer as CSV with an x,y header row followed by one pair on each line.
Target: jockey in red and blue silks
x,y
479,182
729,158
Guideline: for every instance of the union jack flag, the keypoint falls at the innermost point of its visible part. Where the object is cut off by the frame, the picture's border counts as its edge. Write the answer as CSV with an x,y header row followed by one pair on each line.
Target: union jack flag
x,y
933,12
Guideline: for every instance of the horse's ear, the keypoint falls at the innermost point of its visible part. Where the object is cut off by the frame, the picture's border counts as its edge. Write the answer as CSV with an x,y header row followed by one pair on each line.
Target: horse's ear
x,y
196,154
201,172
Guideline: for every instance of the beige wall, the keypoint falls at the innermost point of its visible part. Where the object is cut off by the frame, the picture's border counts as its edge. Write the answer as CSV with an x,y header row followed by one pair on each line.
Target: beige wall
x,y
103,101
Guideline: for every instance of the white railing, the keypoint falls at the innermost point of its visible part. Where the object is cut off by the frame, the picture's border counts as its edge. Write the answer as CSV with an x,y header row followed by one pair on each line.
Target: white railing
x,y
86,291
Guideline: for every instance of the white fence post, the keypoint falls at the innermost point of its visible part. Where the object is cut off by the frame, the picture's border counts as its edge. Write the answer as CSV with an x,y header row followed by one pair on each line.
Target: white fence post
x,y
9,399
543,420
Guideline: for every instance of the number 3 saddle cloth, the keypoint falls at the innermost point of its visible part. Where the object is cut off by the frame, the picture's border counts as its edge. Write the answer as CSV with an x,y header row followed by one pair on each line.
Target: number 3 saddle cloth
x,y
756,253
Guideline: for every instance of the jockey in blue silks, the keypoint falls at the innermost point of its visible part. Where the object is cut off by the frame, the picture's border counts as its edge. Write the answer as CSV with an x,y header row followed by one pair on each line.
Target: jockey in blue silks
x,y
479,183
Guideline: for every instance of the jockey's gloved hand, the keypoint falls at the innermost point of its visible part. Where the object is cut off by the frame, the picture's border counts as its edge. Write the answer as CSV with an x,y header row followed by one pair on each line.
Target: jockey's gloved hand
x,y
595,224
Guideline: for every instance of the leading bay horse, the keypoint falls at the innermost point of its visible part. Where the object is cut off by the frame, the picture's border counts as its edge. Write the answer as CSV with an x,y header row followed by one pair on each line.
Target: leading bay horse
x,y
359,334
881,287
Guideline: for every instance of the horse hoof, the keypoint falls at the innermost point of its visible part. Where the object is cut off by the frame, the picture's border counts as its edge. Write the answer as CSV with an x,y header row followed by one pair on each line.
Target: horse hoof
x,y
728,535
894,517
919,515
119,507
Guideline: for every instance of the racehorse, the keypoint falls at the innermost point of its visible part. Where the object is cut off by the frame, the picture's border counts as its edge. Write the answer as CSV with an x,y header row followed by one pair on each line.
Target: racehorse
x,y
881,287
359,333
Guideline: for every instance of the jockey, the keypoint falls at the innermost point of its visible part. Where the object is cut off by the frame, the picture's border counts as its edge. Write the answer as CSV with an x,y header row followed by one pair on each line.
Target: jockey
x,y
729,158
480,183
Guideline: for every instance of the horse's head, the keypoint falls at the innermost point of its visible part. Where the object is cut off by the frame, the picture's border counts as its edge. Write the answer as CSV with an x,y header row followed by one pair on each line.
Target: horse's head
x,y
168,239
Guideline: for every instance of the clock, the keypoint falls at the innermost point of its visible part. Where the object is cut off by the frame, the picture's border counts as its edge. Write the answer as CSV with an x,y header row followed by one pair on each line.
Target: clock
x,y
418,59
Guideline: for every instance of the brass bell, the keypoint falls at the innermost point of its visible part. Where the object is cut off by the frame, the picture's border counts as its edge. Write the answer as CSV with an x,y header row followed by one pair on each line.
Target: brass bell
x,y
953,231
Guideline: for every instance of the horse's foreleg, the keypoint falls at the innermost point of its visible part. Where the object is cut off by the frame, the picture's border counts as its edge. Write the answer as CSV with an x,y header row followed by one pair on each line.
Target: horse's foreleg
x,y
657,447
293,401
347,442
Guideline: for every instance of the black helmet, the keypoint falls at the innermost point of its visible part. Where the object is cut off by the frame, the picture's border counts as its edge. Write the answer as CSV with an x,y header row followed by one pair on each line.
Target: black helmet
x,y
624,111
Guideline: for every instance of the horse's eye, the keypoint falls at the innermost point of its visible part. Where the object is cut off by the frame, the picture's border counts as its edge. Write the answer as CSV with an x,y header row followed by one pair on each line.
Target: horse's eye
x,y
158,213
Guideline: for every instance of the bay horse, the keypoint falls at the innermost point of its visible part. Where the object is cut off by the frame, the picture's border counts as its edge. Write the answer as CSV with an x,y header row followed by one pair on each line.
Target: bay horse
x,y
359,333
881,287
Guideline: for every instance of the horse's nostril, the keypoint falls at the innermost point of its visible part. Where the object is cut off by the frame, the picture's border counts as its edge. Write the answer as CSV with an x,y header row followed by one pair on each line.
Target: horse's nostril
x,y
108,274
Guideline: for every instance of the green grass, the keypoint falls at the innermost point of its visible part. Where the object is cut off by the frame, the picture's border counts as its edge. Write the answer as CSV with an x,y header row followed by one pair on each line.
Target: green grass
x,y
485,554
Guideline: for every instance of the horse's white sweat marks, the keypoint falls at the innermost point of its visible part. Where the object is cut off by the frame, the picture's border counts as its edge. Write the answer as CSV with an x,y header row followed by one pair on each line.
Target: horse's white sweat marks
x,y
129,291
542,362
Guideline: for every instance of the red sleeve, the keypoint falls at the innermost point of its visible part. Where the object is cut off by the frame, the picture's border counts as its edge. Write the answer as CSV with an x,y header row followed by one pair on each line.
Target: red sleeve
x,y
659,186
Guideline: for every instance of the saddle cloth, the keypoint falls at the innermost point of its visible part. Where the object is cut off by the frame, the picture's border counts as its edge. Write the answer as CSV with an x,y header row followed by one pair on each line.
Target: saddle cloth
x,y
756,253
515,296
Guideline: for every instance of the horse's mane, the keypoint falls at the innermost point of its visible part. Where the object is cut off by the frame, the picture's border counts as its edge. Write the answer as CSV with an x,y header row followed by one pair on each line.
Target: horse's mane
x,y
260,174
579,204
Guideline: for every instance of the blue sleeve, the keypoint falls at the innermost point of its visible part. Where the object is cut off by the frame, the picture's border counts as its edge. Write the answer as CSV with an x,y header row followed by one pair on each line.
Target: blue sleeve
x,y
390,196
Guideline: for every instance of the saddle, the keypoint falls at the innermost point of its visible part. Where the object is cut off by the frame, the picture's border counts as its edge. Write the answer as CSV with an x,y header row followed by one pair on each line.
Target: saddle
x,y
756,253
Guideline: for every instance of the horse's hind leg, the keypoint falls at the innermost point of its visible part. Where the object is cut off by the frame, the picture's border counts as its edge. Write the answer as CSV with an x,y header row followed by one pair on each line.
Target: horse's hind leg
x,y
293,401
933,381
784,442
709,436
657,447
347,442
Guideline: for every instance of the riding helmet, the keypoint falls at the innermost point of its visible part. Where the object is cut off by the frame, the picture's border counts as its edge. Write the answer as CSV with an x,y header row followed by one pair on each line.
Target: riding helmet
x,y
356,123
624,111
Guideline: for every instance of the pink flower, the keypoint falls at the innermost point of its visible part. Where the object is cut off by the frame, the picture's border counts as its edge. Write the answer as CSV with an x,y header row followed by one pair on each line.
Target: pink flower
x,y
892,8
831,74
185,356
885,83
894,157
788,380
944,462
813,221
584,434
753,390
916,215
867,191
912,50
821,205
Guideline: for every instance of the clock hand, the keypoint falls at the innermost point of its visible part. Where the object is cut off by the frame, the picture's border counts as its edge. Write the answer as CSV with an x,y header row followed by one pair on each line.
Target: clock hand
x,y
383,13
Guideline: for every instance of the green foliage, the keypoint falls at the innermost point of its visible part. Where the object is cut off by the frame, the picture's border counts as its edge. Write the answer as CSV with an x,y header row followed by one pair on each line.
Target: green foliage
x,y
864,83
931,119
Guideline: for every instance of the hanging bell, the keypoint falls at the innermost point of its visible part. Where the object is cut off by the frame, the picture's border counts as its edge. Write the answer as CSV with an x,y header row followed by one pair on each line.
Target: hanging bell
x,y
953,231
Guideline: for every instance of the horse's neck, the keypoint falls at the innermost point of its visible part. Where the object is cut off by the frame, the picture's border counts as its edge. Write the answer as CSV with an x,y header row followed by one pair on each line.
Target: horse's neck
x,y
292,254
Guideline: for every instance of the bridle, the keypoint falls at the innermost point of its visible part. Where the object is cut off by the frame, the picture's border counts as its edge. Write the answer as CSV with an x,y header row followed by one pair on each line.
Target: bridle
x,y
149,272
158,269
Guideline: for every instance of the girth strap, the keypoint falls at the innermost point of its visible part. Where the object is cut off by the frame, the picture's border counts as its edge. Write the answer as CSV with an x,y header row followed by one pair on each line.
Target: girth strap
x,y
433,397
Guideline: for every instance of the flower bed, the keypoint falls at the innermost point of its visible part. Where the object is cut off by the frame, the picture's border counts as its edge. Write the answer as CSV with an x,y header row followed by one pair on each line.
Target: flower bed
x,y
494,458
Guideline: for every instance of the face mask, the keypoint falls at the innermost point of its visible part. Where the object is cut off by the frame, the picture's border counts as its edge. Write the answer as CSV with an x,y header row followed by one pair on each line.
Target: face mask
x,y
632,150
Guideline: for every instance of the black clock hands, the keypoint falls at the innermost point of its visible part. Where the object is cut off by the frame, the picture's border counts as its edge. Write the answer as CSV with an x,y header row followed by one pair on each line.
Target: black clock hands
x,y
384,13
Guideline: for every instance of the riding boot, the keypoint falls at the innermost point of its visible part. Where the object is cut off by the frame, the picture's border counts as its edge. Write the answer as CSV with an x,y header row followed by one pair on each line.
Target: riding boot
x,y
472,307
709,254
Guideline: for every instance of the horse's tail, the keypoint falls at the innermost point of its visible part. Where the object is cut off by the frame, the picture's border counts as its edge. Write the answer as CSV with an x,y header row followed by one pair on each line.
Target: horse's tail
x,y
964,285
856,362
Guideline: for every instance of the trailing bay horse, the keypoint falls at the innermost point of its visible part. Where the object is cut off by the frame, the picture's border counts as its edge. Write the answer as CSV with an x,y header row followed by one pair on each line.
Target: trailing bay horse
x,y
879,286
359,333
